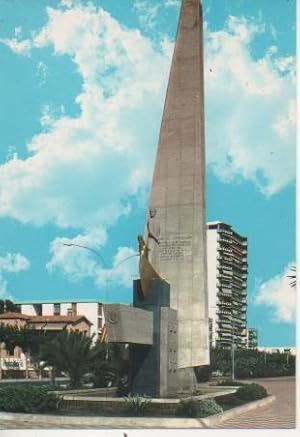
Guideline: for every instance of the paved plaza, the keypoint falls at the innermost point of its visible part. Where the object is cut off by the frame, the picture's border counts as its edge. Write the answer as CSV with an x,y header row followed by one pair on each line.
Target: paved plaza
x,y
278,414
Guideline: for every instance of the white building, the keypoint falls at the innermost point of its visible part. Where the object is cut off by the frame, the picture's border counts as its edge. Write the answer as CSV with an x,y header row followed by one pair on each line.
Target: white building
x,y
227,285
91,309
277,349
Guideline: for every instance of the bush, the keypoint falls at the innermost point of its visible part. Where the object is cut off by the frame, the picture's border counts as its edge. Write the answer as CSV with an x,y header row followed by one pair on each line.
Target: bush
x,y
230,400
28,399
195,408
136,405
251,392
230,382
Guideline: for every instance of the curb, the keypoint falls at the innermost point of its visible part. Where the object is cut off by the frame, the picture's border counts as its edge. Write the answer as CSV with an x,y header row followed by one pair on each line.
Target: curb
x,y
97,399
101,422
233,412
132,422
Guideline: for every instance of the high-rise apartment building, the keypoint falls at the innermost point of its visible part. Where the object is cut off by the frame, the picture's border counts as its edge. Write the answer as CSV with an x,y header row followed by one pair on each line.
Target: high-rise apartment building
x,y
227,285
252,338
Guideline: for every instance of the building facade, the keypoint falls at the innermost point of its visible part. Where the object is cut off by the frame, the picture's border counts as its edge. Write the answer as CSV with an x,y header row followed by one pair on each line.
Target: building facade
x,y
47,323
227,285
289,350
252,338
91,310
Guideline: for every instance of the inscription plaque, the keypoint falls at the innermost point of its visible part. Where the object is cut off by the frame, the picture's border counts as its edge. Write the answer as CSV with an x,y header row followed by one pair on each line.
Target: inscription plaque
x,y
176,248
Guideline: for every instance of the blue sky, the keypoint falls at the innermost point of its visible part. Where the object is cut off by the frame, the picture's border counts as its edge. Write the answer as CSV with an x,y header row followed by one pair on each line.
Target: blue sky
x,y
83,86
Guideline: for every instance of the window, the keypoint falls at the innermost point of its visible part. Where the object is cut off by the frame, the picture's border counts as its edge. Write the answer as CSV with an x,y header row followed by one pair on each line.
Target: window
x,y
56,309
38,309
70,312
74,309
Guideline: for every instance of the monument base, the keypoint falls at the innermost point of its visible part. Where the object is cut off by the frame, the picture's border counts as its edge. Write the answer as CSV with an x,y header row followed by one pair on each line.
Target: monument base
x,y
186,380
154,368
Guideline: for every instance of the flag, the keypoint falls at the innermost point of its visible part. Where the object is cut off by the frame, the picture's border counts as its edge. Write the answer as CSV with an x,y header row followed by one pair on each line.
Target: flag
x,y
103,337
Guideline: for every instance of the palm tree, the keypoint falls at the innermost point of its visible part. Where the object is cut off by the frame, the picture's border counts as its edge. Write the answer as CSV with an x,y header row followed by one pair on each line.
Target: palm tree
x,y
293,276
70,352
7,305
111,367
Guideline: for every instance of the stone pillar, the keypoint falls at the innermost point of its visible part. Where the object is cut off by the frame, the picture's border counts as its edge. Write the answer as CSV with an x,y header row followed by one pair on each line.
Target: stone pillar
x,y
175,228
154,368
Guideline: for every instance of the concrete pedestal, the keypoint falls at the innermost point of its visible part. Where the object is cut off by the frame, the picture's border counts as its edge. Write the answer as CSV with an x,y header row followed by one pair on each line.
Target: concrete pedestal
x,y
154,368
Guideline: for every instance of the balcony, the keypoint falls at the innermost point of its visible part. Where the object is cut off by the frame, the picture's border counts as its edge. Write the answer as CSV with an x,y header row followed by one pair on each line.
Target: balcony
x,y
237,278
222,297
225,335
225,277
224,249
226,321
224,231
223,329
226,305
223,312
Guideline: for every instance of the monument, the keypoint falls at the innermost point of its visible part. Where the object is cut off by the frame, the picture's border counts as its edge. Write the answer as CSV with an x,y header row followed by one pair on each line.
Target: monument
x,y
173,285
178,192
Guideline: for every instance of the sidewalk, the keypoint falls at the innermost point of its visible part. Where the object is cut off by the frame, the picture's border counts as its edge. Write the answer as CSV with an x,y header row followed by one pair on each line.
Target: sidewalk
x,y
280,414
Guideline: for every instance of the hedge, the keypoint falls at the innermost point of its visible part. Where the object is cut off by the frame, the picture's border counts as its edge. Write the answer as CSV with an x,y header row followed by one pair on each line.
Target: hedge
x,y
28,399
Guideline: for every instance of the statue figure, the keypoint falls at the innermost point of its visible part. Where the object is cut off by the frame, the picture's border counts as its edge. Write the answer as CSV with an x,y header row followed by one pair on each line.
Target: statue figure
x,y
152,234
147,271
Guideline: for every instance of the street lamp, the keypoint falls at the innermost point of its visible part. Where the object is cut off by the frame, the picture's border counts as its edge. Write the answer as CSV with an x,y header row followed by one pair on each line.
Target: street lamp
x,y
99,254
104,263
232,357
87,248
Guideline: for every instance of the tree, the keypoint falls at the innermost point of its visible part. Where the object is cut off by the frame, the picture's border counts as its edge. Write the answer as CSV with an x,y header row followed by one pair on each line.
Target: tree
x,y
7,305
110,365
72,353
28,339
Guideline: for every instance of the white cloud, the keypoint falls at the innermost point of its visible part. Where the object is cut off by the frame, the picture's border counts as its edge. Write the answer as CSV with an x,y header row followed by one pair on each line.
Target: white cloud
x,y
251,101
250,109
278,294
81,172
171,3
16,45
147,13
11,263
67,3
41,72
65,179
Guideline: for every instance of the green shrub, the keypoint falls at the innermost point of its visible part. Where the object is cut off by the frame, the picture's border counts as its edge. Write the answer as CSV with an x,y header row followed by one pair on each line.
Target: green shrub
x,y
136,405
229,401
251,392
28,399
230,382
196,408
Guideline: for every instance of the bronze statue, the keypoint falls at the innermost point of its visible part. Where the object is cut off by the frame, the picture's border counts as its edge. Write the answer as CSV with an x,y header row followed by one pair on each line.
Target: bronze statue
x,y
147,272
152,235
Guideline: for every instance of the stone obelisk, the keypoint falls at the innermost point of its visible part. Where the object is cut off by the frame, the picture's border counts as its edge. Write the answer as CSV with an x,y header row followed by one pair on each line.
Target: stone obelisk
x,y
175,230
